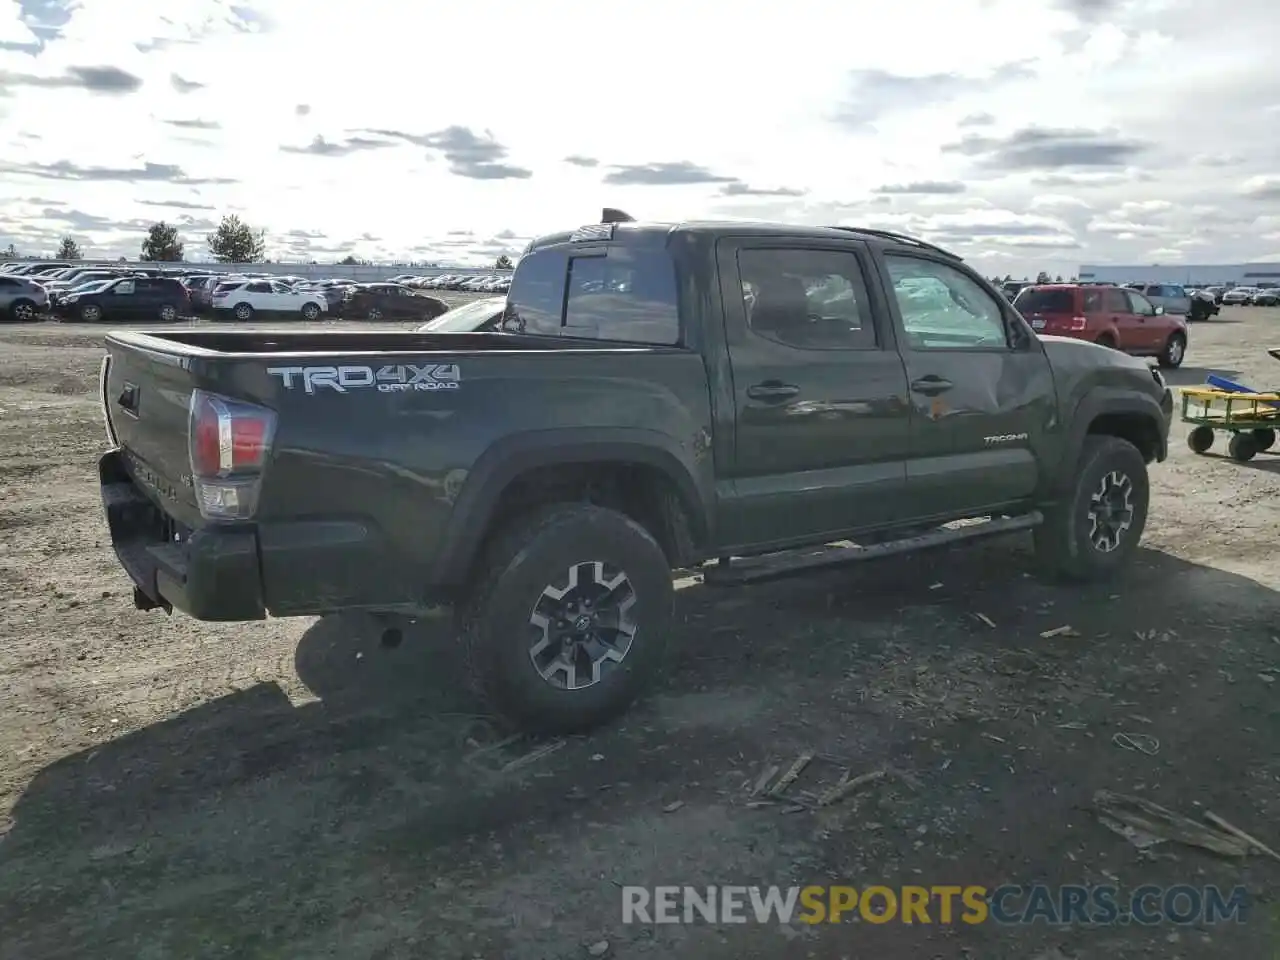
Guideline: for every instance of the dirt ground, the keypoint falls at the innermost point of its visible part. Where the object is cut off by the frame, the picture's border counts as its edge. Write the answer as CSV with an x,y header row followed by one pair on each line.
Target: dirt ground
x,y
292,789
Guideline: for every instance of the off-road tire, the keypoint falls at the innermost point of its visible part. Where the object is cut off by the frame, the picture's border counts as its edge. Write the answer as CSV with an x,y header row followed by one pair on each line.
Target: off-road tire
x,y
515,568
1062,543
1174,352
1200,439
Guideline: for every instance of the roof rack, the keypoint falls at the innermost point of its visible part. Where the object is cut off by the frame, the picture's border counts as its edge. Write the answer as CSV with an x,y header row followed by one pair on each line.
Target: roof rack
x,y
903,239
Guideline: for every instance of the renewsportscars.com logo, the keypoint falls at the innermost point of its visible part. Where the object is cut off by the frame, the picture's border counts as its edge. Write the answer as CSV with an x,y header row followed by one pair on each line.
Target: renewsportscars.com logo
x,y
393,378
1010,904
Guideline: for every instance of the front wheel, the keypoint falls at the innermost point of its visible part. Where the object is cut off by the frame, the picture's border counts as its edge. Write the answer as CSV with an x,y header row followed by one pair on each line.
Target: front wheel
x,y
375,314
1200,439
1243,447
310,311
1264,438
91,313
168,313
569,622
1091,533
1175,349
23,311
243,311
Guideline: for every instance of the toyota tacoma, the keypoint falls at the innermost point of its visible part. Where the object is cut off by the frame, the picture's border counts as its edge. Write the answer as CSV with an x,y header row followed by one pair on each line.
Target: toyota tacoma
x,y
752,400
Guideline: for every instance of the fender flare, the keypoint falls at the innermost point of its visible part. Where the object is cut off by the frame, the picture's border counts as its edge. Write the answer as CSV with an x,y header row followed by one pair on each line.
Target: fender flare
x,y
505,461
1102,401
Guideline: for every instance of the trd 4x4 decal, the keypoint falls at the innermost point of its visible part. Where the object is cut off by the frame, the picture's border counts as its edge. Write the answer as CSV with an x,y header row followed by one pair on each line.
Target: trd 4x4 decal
x,y
394,378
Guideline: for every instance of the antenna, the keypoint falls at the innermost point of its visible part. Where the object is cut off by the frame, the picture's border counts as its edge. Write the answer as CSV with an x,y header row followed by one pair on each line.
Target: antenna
x,y
614,215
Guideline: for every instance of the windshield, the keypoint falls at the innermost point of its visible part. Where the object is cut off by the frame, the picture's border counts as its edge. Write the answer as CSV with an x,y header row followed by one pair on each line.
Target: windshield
x,y
466,318
93,286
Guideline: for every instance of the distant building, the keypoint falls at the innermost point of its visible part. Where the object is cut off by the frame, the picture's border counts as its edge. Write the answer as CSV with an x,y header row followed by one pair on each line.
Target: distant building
x,y
1231,274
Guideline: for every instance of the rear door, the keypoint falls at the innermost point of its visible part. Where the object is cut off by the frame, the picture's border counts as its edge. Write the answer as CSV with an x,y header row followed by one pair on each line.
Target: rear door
x,y
823,426
982,393
1176,300
1119,311
120,301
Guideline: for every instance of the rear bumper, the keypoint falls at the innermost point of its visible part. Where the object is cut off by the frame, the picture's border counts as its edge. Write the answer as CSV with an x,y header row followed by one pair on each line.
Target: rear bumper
x,y
235,572
210,574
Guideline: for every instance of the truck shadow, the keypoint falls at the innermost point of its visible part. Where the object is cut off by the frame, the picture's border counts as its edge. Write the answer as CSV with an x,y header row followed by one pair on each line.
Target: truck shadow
x,y
153,844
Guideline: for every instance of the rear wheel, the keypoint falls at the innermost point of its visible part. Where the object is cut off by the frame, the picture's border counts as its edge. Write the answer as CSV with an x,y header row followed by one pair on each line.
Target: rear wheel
x,y
569,622
310,311
168,313
90,313
243,311
375,314
1200,439
1265,438
1175,349
1091,533
1107,340
1243,446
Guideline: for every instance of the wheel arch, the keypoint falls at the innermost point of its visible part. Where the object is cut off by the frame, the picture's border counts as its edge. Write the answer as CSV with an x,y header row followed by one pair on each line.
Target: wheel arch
x,y
1129,416
641,473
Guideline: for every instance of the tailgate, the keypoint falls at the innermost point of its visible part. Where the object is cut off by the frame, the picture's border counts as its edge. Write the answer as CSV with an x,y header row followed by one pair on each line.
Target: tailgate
x,y
145,399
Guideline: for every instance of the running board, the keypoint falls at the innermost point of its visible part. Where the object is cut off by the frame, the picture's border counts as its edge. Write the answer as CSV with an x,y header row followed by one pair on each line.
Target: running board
x,y
773,565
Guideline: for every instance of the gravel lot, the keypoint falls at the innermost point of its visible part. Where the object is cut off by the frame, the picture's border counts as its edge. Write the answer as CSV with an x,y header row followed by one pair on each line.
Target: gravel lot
x,y
293,790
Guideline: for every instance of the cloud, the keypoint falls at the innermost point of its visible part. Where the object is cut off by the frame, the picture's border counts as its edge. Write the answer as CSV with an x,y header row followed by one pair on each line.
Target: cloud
x,y
977,120
872,94
183,85
302,109
580,161
1036,148
922,187
175,204
1262,188
737,188
469,154
106,80
147,173
675,173
320,147
193,124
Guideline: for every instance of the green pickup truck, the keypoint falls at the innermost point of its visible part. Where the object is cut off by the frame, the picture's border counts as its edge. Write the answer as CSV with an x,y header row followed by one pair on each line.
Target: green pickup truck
x,y
754,400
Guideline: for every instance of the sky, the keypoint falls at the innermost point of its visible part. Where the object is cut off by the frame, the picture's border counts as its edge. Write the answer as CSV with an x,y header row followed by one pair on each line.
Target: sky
x,y
1025,135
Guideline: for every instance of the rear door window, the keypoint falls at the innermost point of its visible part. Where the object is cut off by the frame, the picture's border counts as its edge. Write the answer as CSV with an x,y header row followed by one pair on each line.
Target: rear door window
x,y
1116,301
1046,301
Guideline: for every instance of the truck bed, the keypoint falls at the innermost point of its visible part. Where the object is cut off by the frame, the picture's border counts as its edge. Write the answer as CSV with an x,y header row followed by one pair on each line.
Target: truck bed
x,y
201,341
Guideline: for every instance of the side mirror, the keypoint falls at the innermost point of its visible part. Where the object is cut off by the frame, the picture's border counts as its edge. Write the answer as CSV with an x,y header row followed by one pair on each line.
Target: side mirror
x,y
1159,311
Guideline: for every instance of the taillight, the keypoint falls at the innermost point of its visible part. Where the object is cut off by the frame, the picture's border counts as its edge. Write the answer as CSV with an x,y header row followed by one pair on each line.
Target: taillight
x,y
1079,323
228,442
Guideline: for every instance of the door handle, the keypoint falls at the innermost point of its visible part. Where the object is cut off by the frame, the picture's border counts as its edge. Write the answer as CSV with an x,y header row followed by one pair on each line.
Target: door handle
x,y
128,399
772,390
931,385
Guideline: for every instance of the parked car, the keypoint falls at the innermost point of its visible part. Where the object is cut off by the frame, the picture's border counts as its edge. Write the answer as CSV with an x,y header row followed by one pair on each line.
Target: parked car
x,y
1011,289
474,317
69,279
1238,296
389,301
129,298
1269,297
1115,317
22,300
243,300
1203,305
1173,298
566,470
201,289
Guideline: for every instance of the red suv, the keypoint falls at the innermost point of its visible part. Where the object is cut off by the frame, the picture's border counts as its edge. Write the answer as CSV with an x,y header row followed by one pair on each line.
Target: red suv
x,y
1111,316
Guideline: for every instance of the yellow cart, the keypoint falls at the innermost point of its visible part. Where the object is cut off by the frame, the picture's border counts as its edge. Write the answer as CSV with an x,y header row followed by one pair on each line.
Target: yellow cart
x,y
1250,418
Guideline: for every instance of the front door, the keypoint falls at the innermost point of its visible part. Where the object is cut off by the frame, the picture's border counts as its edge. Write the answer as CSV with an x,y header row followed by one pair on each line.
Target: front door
x,y
981,389
1147,335
822,426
